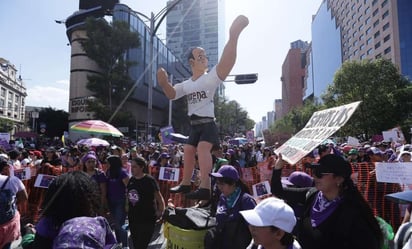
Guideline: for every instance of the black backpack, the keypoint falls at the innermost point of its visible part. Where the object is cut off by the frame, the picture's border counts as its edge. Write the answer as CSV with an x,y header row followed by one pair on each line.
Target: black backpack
x,y
189,218
7,204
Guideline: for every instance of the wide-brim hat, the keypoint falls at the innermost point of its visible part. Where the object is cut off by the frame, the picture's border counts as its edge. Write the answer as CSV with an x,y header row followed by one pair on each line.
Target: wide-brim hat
x,y
403,197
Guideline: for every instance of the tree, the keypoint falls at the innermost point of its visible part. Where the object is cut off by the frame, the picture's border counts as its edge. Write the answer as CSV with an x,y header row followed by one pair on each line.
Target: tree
x,y
107,45
231,118
56,121
6,125
296,119
375,83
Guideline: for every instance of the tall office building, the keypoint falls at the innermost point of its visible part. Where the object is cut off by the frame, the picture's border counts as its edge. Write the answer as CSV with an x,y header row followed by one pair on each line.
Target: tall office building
x,y
196,23
367,29
324,55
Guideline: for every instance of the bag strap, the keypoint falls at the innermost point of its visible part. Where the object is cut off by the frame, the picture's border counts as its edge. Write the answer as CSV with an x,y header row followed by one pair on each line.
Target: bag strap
x,y
4,184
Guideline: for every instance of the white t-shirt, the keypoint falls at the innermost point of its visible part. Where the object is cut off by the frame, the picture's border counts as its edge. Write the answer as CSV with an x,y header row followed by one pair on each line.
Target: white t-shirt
x,y
14,184
199,93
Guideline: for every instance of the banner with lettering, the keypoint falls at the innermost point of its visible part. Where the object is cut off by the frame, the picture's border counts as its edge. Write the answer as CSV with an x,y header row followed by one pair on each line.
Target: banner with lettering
x,y
320,126
394,172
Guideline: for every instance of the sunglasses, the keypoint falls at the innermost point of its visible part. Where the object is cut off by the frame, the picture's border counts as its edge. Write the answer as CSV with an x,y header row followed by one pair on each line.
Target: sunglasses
x,y
319,174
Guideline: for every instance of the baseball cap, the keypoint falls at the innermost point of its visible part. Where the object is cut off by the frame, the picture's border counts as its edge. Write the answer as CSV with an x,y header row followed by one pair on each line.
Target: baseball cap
x,y
88,156
227,171
164,155
335,164
299,179
271,212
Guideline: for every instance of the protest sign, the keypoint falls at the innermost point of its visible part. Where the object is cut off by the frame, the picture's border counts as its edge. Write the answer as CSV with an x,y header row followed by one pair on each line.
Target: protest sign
x,y
169,174
394,172
390,136
250,136
43,181
165,134
22,174
261,189
320,126
353,141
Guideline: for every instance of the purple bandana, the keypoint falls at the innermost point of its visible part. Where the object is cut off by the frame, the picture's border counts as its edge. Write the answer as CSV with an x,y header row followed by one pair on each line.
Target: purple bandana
x,y
85,233
322,209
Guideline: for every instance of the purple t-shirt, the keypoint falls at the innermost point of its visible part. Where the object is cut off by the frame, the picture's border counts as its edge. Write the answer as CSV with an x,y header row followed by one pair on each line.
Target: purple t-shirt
x,y
116,190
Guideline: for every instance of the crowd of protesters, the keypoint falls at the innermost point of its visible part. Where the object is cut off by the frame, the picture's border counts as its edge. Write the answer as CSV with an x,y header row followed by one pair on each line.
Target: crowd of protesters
x,y
107,164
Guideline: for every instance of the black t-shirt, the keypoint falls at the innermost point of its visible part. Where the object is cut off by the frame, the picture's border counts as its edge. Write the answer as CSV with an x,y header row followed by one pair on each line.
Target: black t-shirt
x,y
141,198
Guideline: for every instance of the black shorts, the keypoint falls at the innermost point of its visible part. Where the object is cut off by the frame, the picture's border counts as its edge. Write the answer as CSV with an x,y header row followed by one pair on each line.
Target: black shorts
x,y
203,132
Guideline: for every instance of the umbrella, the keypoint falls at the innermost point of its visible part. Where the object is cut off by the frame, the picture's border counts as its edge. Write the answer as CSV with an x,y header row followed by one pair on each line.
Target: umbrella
x,y
93,142
97,127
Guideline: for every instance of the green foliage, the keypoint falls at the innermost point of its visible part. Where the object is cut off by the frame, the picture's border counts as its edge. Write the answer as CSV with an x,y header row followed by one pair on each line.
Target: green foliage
x,y
6,125
231,118
379,86
296,119
385,94
56,122
107,45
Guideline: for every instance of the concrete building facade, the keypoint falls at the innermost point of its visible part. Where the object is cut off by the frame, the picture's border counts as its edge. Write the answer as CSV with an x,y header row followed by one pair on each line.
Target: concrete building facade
x,y
357,30
12,95
293,75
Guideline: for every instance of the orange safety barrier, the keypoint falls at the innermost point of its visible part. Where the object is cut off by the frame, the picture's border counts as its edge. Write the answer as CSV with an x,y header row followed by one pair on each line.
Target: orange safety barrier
x,y
363,176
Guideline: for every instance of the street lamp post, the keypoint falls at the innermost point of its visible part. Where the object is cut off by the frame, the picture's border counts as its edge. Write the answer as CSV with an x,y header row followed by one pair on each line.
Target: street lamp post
x,y
153,27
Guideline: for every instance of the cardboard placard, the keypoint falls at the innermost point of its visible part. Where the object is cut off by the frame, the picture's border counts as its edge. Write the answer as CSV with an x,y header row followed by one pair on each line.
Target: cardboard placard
x,y
43,181
169,174
320,126
261,189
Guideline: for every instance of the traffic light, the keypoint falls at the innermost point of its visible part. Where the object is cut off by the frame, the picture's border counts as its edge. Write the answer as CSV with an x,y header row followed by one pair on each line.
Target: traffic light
x,y
246,78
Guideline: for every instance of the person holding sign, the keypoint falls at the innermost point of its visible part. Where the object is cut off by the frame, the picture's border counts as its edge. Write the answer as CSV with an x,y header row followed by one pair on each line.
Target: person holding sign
x,y
337,215
200,90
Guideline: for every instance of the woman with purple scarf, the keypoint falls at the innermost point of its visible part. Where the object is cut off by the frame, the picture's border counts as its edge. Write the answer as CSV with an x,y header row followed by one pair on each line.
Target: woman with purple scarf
x,y
337,216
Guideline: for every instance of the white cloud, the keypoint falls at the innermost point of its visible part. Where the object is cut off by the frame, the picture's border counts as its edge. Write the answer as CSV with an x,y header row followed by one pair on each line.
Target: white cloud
x,y
56,96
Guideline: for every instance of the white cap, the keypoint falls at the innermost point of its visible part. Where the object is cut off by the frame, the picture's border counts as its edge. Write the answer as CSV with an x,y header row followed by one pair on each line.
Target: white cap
x,y
271,212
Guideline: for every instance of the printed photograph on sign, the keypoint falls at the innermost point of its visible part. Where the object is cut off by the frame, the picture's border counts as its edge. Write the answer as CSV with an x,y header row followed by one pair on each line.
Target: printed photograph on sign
x,y
195,175
169,174
22,174
261,189
43,181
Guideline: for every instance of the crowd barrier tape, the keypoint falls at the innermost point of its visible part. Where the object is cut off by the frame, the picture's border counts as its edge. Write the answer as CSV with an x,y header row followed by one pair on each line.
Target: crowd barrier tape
x,y
374,192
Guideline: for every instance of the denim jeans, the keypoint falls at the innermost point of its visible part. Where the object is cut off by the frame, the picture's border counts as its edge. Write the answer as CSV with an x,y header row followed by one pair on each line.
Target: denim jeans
x,y
118,215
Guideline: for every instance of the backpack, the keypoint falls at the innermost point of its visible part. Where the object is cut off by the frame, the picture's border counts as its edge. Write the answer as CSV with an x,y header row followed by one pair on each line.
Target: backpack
x,y
403,236
189,218
7,204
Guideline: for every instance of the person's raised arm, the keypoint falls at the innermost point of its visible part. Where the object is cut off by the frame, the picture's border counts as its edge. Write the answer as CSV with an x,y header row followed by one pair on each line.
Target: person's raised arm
x,y
228,58
163,80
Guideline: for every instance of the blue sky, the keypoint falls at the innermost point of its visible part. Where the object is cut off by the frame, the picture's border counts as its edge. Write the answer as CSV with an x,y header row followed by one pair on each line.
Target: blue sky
x,y
38,47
